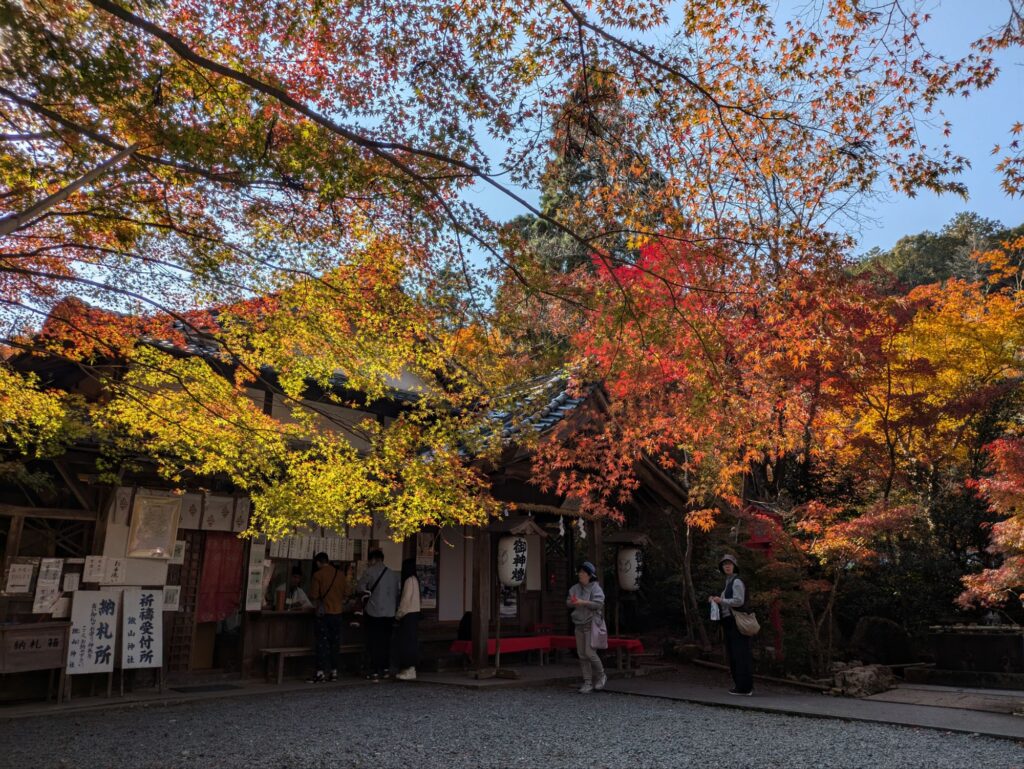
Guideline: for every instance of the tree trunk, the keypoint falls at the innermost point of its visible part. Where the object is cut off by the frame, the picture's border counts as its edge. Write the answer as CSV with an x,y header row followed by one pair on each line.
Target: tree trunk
x,y
691,608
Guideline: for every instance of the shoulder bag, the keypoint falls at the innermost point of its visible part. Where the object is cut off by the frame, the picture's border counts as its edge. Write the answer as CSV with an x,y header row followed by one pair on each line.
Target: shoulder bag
x,y
746,622
598,630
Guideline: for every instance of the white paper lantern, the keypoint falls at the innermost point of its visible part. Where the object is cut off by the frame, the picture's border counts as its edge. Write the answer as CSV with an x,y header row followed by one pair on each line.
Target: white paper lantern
x,y
630,567
512,552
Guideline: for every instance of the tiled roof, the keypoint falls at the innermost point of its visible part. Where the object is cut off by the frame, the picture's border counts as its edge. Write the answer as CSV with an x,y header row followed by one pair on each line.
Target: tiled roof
x,y
539,404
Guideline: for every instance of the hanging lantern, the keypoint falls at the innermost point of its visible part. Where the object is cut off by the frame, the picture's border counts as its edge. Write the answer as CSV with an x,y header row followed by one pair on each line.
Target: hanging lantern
x,y
630,568
512,551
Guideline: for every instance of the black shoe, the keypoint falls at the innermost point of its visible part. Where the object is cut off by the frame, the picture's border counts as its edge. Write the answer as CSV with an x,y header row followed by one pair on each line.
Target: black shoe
x,y
317,679
333,676
373,677
738,693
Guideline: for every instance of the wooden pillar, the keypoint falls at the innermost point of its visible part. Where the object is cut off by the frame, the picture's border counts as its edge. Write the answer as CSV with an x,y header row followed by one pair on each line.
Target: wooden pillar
x,y
598,547
14,536
11,550
481,597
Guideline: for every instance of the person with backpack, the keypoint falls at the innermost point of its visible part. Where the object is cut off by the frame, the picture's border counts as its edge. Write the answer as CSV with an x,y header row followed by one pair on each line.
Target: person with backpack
x,y
586,599
379,588
737,645
408,616
327,592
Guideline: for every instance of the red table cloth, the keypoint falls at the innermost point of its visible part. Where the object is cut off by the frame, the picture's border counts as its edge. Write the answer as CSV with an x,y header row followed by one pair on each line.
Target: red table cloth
x,y
543,643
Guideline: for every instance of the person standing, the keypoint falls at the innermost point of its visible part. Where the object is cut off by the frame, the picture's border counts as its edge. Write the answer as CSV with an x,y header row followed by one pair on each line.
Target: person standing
x,y
328,593
408,616
586,599
737,645
379,586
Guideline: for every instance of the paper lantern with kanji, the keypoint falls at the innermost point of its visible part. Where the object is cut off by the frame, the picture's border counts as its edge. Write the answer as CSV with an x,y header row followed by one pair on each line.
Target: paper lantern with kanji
x,y
512,552
630,567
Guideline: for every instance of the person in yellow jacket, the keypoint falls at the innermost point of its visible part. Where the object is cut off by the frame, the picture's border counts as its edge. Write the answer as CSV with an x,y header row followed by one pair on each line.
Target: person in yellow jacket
x,y
328,593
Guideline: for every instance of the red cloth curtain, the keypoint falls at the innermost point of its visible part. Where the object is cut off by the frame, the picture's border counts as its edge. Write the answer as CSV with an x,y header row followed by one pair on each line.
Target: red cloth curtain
x,y
220,586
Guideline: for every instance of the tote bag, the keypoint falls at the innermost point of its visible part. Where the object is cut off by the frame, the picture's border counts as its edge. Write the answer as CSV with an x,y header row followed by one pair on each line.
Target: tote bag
x,y
598,633
746,622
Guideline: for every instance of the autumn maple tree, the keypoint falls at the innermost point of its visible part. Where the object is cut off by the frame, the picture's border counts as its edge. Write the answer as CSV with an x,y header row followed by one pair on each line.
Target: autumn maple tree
x,y
290,185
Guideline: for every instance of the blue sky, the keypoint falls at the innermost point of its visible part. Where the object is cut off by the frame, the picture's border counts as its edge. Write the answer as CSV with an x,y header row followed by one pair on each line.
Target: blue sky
x,y
979,123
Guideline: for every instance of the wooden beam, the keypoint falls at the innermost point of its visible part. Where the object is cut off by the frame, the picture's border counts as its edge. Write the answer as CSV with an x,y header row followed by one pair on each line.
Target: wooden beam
x,y
76,488
56,513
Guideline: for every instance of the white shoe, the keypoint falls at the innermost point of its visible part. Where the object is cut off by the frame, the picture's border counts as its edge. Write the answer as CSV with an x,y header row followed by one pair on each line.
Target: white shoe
x,y
409,674
586,688
599,685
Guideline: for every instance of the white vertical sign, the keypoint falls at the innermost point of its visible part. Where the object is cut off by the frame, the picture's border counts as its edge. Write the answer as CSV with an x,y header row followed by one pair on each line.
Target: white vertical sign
x,y
254,580
93,631
95,569
142,629
47,585
172,595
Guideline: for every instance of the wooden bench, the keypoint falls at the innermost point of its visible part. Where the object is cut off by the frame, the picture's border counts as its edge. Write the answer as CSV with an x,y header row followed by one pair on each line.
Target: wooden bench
x,y
284,652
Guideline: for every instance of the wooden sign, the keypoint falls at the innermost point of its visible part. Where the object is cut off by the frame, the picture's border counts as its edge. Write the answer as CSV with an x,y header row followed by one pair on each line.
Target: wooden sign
x,y
142,629
35,646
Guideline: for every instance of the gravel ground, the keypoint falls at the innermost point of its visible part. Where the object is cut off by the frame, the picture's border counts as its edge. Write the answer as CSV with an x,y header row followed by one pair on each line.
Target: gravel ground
x,y
423,727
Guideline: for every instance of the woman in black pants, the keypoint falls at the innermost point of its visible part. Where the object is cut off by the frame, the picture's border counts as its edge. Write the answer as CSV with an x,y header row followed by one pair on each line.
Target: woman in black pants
x,y
408,616
737,645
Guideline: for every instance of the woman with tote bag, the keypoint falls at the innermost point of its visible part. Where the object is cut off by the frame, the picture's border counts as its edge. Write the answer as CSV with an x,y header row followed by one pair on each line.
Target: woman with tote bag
x,y
586,599
737,644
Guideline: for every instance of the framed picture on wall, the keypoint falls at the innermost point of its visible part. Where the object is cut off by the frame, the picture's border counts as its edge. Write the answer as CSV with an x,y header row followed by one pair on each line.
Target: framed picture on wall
x,y
154,526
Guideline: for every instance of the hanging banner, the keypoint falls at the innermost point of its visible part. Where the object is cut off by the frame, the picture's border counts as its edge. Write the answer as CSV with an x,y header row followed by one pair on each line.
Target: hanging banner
x,y
218,513
241,520
426,573
191,511
142,628
47,585
93,631
122,505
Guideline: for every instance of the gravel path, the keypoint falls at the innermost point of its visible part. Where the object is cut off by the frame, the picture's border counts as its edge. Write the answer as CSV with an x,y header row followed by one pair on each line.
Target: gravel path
x,y
427,727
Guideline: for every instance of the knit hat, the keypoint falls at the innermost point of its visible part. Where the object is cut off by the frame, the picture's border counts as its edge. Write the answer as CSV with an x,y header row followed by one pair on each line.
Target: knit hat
x,y
589,568
731,559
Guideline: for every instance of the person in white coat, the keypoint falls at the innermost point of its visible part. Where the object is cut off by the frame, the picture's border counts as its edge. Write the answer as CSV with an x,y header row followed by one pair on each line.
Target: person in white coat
x,y
408,616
